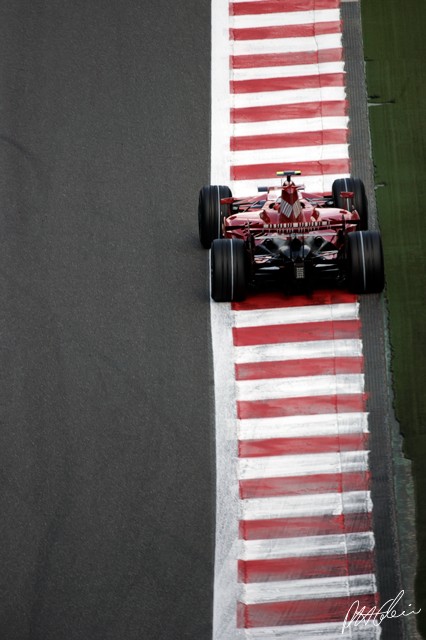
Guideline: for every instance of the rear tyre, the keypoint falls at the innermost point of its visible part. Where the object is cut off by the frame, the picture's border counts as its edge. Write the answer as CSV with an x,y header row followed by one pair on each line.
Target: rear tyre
x,y
359,200
228,270
365,262
211,213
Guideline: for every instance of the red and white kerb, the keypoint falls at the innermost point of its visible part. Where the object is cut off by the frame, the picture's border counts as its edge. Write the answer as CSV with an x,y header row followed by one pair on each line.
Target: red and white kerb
x,y
294,541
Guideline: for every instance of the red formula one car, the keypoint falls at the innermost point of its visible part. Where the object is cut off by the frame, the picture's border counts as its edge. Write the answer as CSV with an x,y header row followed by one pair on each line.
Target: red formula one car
x,y
294,238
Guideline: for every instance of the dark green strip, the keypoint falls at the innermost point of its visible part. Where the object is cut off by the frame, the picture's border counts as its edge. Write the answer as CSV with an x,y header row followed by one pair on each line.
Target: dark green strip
x,y
395,53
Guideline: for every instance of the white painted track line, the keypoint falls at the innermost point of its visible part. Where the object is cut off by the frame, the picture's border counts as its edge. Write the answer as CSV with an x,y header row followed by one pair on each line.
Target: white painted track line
x,y
221,129
225,581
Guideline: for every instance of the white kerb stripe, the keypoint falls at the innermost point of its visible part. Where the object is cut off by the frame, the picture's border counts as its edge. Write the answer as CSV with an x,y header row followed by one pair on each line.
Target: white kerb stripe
x,y
298,350
325,424
289,96
319,631
297,315
291,154
292,125
304,546
308,589
317,183
300,387
327,504
284,18
290,71
302,465
286,45
295,125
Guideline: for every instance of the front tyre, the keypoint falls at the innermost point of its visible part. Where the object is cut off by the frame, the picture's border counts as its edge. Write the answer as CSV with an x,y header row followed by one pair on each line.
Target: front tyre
x,y
359,201
211,213
365,262
228,270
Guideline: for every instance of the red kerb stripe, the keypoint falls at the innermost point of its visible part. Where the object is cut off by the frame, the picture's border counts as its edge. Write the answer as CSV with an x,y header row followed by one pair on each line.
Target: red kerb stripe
x,y
302,332
252,61
308,526
290,83
313,168
305,567
290,111
306,406
300,485
296,368
277,300
299,446
279,6
300,611
286,31
301,139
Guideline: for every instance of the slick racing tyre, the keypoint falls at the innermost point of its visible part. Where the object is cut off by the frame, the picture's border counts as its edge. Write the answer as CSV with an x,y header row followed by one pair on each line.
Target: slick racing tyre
x,y
359,200
228,270
365,262
211,213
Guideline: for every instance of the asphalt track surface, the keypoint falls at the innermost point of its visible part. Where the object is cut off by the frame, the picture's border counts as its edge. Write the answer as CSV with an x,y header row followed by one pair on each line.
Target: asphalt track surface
x,y
106,436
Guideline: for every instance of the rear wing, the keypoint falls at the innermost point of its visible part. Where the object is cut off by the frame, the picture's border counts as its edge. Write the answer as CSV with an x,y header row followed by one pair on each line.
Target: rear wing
x,y
288,174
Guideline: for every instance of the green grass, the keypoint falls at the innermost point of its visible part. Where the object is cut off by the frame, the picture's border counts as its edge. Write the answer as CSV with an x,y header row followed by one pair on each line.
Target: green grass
x,y
395,54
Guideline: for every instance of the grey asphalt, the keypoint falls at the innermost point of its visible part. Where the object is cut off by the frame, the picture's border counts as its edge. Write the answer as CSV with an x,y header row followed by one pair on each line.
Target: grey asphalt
x,y
106,434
